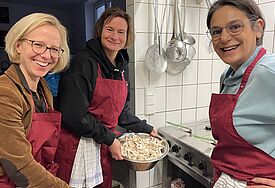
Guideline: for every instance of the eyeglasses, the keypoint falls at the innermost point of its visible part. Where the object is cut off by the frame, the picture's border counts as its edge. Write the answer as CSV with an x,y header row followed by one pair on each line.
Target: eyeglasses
x,y
233,28
40,48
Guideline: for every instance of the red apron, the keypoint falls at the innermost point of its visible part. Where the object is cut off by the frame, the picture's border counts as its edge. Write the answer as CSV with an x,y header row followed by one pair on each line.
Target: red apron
x,y
43,136
233,154
108,101
109,98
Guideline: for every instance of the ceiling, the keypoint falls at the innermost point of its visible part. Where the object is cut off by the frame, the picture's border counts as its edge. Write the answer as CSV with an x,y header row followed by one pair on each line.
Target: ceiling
x,y
59,4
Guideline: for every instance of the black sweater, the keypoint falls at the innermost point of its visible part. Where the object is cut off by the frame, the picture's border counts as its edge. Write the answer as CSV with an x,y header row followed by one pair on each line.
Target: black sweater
x,y
76,91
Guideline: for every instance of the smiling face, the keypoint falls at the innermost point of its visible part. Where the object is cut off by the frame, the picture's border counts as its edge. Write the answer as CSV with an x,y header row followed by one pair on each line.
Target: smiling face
x,y
114,35
33,65
234,50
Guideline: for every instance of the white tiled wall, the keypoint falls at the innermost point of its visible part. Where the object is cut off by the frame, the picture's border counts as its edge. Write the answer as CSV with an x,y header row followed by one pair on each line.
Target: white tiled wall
x,y
186,96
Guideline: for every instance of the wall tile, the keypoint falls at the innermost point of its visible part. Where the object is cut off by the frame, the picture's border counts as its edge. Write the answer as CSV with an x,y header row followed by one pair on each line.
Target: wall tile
x,y
158,80
174,79
268,40
215,88
202,113
173,98
193,3
158,120
143,19
129,3
269,14
160,99
189,94
141,75
265,1
204,52
190,74
203,16
203,95
173,116
143,41
204,71
217,69
191,25
188,115
139,101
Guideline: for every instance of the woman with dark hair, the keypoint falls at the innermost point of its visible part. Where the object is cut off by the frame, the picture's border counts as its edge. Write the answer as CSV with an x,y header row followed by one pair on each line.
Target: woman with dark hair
x,y
94,100
242,116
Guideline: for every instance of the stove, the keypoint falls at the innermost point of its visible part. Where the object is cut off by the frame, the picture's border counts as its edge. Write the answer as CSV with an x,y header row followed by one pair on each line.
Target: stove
x,y
191,146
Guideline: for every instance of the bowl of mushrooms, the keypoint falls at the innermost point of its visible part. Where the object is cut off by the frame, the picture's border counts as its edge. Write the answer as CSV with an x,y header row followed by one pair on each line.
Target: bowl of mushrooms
x,y
141,151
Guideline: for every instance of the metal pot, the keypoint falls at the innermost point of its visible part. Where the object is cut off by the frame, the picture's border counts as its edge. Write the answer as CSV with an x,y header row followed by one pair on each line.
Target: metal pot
x,y
143,165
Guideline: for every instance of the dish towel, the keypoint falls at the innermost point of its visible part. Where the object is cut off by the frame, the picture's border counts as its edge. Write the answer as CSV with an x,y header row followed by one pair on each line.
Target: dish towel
x,y
87,171
226,181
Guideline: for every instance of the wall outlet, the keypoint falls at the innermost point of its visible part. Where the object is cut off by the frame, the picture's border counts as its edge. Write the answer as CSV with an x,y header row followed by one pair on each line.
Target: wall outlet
x,y
149,103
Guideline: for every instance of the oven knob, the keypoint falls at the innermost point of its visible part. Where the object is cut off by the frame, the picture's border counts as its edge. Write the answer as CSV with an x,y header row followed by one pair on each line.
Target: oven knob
x,y
203,166
175,148
188,157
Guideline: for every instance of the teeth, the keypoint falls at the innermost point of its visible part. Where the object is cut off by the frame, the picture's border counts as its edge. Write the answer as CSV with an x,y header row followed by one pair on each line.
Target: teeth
x,y
230,48
42,64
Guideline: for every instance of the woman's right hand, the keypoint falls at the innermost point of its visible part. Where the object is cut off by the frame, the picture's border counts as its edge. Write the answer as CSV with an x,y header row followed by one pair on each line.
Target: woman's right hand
x,y
264,183
115,150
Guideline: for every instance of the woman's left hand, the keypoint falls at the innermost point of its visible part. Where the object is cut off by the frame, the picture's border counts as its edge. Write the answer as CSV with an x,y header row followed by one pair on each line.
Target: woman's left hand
x,y
265,183
154,132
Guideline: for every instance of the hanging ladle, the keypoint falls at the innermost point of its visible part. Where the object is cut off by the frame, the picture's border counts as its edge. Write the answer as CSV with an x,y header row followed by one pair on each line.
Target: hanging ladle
x,y
155,58
176,50
188,39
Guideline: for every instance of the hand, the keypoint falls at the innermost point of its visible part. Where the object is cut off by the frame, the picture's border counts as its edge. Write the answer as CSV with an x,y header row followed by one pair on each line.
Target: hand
x,y
115,150
154,132
264,183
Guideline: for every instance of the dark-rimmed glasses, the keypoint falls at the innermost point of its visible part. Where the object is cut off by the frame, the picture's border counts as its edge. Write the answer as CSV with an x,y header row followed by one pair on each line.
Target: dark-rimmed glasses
x,y
233,28
40,48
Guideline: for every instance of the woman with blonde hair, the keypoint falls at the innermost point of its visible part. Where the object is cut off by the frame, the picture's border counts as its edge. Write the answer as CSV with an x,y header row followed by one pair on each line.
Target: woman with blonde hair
x,y
29,126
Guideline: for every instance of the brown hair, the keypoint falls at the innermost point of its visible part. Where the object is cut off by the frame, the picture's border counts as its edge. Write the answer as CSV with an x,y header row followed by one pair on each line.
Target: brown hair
x,y
249,7
109,14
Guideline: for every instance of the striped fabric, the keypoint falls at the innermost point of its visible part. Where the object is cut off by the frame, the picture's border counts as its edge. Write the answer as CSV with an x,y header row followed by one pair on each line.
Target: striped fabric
x,y
226,181
87,171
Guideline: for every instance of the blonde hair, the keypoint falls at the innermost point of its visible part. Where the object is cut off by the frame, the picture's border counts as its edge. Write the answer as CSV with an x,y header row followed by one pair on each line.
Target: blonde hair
x,y
29,23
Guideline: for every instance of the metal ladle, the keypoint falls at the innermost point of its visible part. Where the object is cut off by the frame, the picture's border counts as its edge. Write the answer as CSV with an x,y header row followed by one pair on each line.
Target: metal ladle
x,y
176,50
188,39
155,58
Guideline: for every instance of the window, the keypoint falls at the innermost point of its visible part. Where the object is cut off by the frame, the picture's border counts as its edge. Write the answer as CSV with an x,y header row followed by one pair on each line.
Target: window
x,y
100,7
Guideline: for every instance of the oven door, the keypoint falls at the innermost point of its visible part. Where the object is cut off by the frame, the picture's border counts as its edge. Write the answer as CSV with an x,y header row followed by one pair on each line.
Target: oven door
x,y
172,169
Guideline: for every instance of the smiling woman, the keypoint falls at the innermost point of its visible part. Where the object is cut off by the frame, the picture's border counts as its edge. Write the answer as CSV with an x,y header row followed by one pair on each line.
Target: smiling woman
x,y
94,100
240,122
34,45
